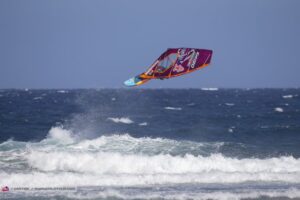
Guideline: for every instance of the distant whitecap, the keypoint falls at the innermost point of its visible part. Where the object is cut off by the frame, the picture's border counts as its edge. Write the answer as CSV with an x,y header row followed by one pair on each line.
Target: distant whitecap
x,y
229,104
278,109
124,120
173,108
143,124
287,96
210,89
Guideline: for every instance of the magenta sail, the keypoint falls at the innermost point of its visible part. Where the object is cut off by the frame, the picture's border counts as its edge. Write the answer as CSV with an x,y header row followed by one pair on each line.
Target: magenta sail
x,y
174,62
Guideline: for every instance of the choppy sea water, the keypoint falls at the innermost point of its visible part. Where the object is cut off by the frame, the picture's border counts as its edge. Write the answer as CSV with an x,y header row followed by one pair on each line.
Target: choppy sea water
x,y
150,144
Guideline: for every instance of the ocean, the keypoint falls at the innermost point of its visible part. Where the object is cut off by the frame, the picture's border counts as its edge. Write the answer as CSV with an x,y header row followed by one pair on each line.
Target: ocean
x,y
204,143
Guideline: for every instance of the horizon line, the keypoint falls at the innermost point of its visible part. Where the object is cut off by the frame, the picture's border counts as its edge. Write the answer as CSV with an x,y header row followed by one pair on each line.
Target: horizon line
x,y
149,88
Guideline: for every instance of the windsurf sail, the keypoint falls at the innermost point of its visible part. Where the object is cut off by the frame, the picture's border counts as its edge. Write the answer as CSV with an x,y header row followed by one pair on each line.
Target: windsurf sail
x,y
173,62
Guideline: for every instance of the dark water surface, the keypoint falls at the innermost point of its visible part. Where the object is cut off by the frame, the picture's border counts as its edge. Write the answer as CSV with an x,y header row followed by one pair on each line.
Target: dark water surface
x,y
150,144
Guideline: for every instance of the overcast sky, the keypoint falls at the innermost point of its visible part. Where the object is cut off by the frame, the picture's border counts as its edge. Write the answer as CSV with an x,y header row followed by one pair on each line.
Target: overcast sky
x,y
99,44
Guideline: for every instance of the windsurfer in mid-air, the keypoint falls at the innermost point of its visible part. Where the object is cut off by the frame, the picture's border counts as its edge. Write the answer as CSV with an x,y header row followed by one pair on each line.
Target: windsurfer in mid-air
x,y
172,63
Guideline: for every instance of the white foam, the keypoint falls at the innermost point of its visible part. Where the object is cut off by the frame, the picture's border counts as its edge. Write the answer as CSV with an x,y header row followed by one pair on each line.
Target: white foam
x,y
158,192
61,135
210,89
124,120
173,108
116,163
287,96
179,194
229,104
278,109
125,144
122,160
114,169
143,124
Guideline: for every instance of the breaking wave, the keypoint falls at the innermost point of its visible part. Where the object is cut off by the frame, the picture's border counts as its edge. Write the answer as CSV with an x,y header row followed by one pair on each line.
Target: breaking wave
x,y
159,192
120,160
